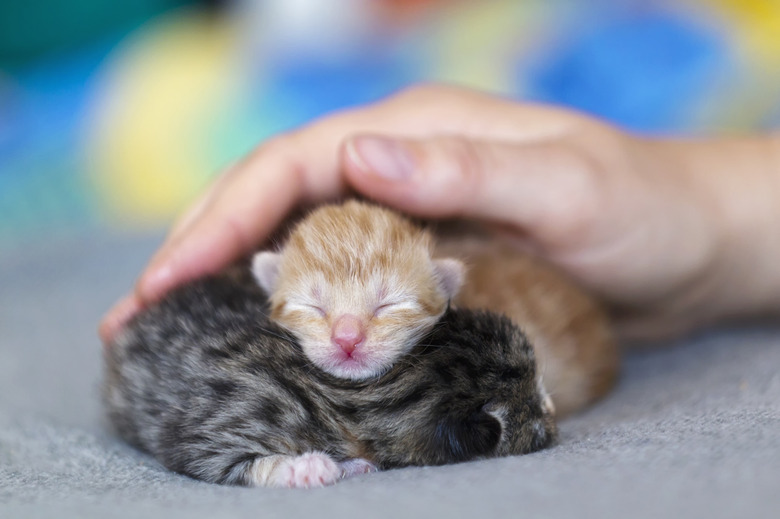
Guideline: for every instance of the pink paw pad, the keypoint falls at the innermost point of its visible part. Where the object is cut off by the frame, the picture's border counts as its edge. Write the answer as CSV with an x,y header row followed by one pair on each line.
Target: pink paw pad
x,y
313,469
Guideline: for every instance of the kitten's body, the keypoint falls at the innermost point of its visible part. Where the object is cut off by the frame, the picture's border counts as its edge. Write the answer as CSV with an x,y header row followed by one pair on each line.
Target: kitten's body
x,y
213,389
349,258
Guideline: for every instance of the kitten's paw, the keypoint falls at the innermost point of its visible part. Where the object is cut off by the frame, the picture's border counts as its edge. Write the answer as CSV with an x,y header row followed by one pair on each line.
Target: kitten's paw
x,y
313,469
356,466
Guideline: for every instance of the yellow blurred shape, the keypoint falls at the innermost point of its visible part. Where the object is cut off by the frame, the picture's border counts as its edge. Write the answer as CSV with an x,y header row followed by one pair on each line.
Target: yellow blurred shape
x,y
755,33
759,25
147,141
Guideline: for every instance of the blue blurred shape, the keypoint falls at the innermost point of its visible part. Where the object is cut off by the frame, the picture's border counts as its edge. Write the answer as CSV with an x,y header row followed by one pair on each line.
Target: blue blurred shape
x,y
305,89
42,107
643,72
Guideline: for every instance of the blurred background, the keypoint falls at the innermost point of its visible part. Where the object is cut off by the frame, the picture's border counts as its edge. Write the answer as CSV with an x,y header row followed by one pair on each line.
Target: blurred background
x,y
113,115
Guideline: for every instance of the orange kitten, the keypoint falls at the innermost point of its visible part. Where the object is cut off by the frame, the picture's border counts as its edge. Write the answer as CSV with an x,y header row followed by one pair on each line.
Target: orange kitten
x,y
357,285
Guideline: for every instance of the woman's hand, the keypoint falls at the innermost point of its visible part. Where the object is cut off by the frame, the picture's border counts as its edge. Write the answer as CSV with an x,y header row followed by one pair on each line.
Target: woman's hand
x,y
671,234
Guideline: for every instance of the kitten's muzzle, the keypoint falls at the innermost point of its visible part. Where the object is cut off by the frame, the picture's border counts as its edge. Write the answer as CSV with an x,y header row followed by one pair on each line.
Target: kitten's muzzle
x,y
348,333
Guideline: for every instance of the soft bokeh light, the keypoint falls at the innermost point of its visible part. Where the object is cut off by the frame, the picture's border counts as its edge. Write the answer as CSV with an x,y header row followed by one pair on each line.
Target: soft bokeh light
x,y
118,114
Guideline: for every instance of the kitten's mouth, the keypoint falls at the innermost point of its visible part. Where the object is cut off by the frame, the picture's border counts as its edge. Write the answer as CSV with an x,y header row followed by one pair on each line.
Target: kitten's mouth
x,y
356,366
359,364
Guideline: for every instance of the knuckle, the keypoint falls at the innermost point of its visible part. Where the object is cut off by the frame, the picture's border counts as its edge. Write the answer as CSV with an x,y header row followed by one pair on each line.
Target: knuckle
x,y
464,157
454,169
580,196
456,158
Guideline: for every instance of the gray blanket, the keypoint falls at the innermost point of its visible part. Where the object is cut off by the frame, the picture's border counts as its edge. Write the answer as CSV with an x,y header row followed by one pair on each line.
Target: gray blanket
x,y
693,430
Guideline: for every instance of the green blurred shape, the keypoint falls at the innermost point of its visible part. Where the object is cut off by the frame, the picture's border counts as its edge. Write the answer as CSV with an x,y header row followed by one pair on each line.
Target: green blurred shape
x,y
30,29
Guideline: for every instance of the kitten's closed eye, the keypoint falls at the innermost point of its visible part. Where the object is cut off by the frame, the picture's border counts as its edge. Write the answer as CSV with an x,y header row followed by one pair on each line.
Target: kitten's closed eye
x,y
384,308
306,308
318,309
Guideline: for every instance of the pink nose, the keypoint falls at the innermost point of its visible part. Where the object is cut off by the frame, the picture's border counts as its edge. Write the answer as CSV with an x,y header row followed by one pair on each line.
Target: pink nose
x,y
348,333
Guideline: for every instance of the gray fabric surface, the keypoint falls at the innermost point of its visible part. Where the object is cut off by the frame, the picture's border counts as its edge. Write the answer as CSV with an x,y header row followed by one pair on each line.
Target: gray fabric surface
x,y
691,431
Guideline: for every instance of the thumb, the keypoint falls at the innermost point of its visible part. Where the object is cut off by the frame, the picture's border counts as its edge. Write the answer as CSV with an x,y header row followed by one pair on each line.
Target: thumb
x,y
544,188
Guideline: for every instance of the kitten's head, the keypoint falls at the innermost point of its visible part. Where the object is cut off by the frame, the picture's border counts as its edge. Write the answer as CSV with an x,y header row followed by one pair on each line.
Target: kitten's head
x,y
357,286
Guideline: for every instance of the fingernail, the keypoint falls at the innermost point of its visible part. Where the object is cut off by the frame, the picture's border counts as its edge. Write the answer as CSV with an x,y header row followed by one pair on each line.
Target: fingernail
x,y
386,158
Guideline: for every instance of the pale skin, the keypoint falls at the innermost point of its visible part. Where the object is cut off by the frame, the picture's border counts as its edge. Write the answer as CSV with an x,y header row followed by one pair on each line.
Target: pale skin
x,y
672,234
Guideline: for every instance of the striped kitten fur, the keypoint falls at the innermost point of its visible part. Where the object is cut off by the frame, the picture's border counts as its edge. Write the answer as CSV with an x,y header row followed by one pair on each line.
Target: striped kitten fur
x,y
211,387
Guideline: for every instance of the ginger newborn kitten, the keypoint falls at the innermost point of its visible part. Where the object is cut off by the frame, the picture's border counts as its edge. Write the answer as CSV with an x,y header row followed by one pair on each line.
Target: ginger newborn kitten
x,y
357,286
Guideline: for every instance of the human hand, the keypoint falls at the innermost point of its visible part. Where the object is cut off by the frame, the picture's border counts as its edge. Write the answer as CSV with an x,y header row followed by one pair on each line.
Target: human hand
x,y
652,227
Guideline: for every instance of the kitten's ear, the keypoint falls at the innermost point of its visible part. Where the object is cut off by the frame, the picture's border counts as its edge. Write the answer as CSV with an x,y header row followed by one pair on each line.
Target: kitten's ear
x,y
265,269
450,274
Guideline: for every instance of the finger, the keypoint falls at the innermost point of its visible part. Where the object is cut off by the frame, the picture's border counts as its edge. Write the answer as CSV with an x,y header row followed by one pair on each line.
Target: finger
x,y
204,199
544,189
189,217
238,214
162,273
183,226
